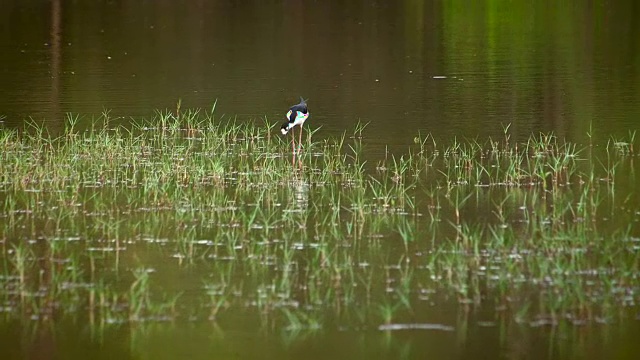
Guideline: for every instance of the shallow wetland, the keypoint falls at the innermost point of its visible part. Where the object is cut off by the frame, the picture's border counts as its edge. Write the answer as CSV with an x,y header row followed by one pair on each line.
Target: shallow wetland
x,y
192,219
469,189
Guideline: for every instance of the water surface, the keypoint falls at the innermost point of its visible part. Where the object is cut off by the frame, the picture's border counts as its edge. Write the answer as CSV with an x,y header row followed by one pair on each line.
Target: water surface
x,y
455,69
445,67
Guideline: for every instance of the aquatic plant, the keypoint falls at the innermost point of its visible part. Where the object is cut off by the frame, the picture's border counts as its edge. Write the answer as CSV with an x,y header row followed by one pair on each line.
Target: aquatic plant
x,y
186,215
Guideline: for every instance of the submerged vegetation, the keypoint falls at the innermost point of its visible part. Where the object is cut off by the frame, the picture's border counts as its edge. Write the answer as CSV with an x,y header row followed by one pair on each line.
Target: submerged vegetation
x,y
189,217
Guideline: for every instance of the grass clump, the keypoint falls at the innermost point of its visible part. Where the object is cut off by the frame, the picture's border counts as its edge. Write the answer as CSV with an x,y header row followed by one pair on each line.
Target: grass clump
x,y
189,216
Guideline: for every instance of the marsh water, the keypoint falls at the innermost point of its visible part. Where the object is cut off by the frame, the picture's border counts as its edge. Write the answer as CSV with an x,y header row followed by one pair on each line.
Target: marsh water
x,y
451,69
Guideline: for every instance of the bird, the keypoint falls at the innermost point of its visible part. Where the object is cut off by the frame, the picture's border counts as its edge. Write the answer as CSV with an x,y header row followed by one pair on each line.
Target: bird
x,y
296,115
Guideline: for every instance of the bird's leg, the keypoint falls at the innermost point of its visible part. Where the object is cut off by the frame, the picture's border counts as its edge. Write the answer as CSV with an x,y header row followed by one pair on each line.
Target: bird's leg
x,y
293,148
300,140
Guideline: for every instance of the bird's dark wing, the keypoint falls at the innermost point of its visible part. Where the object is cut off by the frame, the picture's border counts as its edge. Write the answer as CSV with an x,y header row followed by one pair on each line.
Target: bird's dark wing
x,y
298,107
291,115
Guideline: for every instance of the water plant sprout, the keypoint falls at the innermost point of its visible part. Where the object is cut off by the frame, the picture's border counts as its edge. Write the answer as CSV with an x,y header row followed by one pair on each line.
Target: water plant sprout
x,y
192,216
